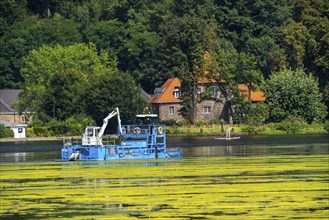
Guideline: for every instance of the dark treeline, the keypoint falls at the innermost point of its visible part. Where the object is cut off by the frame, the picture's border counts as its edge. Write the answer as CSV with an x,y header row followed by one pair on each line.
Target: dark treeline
x,y
154,40
151,38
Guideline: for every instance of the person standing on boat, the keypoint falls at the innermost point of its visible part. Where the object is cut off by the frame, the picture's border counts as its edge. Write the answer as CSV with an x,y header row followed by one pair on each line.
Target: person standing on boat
x,y
228,132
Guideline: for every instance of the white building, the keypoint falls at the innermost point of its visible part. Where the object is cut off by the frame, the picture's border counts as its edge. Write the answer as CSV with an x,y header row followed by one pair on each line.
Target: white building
x,y
19,129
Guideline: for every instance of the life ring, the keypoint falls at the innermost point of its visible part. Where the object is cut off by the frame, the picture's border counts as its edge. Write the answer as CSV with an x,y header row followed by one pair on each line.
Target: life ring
x,y
137,130
160,130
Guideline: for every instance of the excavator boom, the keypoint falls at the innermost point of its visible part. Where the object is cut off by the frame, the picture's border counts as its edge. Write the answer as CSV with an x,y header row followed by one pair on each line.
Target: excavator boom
x,y
105,122
93,135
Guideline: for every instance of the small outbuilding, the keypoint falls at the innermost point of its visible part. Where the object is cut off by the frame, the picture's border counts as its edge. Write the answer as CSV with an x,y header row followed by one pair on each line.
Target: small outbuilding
x,y
18,129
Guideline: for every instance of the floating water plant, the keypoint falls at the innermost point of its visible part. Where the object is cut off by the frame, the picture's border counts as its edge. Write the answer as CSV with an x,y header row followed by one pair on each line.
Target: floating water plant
x,y
281,187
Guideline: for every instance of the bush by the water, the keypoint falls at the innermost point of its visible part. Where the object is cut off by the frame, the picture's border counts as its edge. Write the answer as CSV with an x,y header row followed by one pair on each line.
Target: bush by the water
x,y
170,122
5,132
291,125
326,125
249,130
74,125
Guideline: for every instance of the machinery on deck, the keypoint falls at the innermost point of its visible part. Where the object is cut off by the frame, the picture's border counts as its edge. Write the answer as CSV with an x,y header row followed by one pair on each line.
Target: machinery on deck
x,y
142,141
93,135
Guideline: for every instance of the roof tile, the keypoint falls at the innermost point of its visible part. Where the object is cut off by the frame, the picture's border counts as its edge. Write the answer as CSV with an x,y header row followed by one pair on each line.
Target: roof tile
x,y
167,94
254,96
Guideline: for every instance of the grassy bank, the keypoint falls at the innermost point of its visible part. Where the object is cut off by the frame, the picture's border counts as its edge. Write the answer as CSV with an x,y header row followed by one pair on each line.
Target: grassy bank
x,y
268,129
214,130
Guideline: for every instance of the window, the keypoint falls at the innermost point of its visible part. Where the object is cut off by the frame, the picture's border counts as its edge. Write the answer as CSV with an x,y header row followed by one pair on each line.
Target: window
x,y
207,110
177,92
213,92
23,119
90,132
171,110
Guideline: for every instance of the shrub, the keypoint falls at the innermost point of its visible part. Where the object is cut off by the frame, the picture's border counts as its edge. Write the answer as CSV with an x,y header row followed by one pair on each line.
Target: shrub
x,y
170,122
294,93
252,113
249,130
291,125
216,121
73,125
172,130
6,132
202,123
326,125
56,128
30,132
184,123
76,124
42,131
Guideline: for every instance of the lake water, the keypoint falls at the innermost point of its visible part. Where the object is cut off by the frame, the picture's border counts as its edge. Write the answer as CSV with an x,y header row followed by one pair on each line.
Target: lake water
x,y
256,177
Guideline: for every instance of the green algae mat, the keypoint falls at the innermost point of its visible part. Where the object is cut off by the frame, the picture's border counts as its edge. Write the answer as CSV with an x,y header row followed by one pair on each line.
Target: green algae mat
x,y
275,187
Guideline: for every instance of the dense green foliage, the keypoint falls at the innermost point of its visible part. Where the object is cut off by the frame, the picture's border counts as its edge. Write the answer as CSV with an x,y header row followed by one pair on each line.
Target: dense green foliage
x,y
154,40
73,126
294,93
326,125
29,34
6,132
64,81
55,79
104,94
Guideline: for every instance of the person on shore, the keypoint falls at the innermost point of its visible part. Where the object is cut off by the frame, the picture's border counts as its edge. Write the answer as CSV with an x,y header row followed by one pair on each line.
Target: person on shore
x,y
228,132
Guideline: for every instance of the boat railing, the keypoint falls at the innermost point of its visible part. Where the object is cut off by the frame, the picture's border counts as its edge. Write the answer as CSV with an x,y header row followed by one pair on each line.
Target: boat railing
x,y
71,141
139,130
108,140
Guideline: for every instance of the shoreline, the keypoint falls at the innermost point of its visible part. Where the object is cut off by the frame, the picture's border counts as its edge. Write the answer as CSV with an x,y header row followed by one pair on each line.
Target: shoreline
x,y
31,139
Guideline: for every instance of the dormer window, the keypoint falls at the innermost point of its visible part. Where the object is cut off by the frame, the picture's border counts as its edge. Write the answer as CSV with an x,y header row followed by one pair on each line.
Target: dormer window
x,y
177,92
214,92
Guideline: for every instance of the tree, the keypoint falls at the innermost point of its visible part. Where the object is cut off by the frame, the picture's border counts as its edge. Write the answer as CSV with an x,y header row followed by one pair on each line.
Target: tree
x,y
106,35
295,40
248,72
180,53
227,68
253,27
11,11
294,93
139,47
30,34
111,90
312,18
55,78
43,8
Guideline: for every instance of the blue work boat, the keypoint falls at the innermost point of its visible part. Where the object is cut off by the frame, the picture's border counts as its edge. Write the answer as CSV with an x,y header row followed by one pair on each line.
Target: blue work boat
x,y
143,141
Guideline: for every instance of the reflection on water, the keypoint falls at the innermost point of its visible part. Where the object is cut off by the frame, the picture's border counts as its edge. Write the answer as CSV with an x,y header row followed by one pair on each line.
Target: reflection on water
x,y
191,147
258,150
29,156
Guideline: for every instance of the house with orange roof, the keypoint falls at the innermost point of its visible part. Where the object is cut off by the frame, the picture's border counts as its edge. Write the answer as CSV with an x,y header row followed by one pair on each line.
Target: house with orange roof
x,y
255,96
166,102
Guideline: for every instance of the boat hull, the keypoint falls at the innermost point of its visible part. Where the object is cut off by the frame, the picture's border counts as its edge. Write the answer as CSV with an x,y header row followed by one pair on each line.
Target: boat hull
x,y
115,152
136,142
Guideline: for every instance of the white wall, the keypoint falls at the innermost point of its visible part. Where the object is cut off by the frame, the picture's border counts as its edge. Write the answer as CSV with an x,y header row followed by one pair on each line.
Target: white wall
x,y
19,132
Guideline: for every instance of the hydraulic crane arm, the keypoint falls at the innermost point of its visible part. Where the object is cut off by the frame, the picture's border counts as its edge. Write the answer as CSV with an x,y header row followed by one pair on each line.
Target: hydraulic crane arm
x,y
105,122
